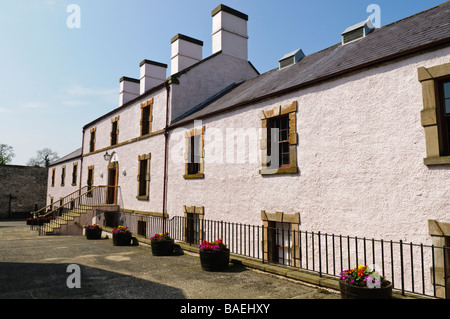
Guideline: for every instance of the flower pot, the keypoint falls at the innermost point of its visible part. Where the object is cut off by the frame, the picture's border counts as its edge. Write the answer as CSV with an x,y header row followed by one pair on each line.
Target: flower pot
x,y
214,260
93,233
162,247
122,239
355,292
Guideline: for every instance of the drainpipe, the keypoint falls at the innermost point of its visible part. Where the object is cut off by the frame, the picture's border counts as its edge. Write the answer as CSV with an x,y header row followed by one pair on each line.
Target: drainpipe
x,y
166,142
81,162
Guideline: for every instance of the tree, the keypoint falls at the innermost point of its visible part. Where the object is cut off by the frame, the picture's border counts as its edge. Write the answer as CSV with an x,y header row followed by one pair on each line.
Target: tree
x,y
6,154
43,158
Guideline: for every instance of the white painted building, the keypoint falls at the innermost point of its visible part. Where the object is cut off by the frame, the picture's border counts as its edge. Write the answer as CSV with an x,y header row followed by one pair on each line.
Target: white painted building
x,y
362,130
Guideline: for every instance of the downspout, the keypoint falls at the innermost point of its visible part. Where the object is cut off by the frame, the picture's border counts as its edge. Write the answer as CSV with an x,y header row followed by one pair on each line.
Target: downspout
x,y
81,163
166,142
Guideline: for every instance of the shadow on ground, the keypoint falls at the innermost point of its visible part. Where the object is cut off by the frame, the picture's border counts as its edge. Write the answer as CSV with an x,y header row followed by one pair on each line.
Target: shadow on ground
x,y
49,281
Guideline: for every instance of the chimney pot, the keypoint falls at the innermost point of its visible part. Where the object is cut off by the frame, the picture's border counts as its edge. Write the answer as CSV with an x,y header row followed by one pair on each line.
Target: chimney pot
x,y
129,89
229,33
152,74
186,51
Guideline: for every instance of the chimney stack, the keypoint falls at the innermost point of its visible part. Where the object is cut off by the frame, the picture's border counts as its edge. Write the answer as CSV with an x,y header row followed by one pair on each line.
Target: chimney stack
x,y
229,33
129,89
152,74
186,51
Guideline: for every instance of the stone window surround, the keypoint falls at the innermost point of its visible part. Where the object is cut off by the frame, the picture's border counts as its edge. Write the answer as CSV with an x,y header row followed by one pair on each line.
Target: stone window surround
x,y
115,120
53,176
440,236
281,217
150,117
188,135
429,77
290,110
147,177
92,140
198,210
63,175
74,174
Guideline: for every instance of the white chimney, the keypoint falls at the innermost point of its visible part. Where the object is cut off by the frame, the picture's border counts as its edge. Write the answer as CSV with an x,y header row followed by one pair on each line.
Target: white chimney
x,y
229,33
152,74
186,51
129,89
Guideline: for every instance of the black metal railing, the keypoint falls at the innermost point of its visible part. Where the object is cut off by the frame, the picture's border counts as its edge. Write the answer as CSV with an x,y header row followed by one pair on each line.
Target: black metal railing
x,y
412,268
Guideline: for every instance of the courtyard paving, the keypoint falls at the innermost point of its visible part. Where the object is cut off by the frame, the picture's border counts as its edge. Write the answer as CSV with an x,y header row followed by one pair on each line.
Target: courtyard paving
x,y
36,267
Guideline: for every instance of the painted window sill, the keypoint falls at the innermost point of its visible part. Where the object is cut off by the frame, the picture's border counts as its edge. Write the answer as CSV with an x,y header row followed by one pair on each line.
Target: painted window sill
x,y
274,171
142,197
194,176
438,160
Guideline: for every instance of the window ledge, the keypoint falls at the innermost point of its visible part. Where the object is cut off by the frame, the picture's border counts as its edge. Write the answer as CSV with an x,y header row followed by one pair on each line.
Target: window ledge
x,y
194,176
290,170
142,197
438,160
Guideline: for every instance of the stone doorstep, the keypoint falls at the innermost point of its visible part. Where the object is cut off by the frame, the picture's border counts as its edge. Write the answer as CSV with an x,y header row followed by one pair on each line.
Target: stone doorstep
x,y
325,281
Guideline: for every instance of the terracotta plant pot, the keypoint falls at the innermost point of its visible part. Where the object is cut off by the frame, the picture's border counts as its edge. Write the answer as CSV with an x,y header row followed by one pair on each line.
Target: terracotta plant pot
x,y
93,233
162,247
214,260
122,239
355,292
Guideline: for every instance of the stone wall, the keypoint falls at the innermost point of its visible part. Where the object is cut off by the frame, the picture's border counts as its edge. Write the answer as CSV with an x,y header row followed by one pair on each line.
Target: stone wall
x,y
22,188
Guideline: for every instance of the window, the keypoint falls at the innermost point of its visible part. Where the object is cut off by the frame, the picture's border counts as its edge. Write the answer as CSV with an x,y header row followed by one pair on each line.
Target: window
x,y
193,226
444,116
90,179
114,130
92,140
281,237
435,115
279,140
63,175
194,155
74,174
143,177
278,135
53,177
146,117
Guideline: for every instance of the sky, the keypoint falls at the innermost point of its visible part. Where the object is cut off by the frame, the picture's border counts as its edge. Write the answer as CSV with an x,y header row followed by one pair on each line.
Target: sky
x,y
60,64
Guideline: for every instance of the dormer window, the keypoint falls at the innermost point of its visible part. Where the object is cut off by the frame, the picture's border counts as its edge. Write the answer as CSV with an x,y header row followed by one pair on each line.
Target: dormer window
x,y
357,31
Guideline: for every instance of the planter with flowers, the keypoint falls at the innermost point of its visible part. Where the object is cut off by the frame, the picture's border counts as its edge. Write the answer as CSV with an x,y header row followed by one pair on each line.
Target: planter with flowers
x,y
162,245
214,256
121,236
364,283
93,231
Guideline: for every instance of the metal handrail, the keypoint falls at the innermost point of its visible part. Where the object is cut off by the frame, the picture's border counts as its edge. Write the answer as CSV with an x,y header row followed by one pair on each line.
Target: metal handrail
x,y
92,197
52,204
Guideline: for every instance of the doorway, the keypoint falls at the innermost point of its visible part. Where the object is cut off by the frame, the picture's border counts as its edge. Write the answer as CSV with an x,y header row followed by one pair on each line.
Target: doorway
x,y
111,194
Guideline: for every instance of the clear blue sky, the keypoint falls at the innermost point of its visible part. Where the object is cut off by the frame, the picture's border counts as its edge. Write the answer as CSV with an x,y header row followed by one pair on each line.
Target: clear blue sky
x,y
56,79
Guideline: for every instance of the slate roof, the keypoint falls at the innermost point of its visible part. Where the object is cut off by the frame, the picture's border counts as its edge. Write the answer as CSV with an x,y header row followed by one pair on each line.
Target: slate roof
x,y
418,32
71,156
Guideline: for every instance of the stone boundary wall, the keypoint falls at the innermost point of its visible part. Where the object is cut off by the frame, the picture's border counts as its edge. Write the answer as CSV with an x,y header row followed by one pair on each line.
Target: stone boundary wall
x,y
22,188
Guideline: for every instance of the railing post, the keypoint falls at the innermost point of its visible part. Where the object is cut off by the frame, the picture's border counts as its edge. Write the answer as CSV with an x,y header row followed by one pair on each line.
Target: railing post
x,y
402,276
262,244
320,257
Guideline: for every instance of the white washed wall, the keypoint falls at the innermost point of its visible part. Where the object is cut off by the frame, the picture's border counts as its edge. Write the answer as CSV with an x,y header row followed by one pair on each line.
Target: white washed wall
x,y
129,122
360,156
57,191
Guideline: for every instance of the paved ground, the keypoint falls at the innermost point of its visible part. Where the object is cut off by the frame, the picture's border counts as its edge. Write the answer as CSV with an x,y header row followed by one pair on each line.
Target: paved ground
x,y
34,266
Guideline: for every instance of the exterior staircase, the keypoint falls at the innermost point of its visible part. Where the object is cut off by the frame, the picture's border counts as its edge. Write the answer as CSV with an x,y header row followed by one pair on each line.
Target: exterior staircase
x,y
76,210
